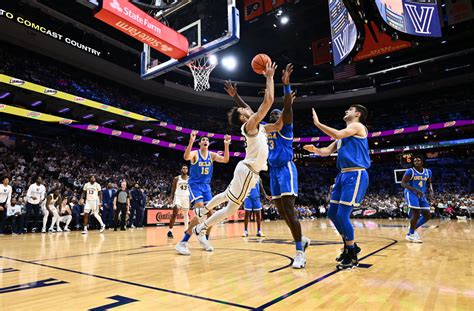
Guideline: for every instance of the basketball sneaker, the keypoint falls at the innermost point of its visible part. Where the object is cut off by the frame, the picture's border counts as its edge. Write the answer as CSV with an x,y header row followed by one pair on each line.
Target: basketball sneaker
x,y
84,231
341,256
260,234
245,234
66,229
43,230
182,248
51,230
170,234
102,228
350,260
59,230
205,244
306,242
299,261
418,236
412,238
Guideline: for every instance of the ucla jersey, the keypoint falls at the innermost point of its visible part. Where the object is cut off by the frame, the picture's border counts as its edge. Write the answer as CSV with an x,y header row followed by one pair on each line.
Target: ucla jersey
x,y
280,145
353,152
418,179
201,171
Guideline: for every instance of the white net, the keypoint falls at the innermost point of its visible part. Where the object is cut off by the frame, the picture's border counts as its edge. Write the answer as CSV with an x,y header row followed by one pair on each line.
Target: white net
x,y
201,69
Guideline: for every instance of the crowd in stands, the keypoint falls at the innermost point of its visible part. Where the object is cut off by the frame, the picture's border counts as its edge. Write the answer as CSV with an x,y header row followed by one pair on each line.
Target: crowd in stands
x,y
410,111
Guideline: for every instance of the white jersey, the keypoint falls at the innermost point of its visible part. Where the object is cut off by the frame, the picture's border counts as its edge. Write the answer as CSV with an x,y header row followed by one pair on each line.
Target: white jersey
x,y
5,194
182,187
92,191
53,201
256,149
36,192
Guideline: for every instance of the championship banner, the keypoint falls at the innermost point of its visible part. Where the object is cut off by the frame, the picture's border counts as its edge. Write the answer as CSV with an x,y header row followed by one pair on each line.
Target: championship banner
x,y
156,216
253,9
132,21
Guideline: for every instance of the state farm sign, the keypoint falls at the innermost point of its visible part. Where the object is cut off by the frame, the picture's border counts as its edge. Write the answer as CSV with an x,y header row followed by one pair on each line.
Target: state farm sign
x,y
132,21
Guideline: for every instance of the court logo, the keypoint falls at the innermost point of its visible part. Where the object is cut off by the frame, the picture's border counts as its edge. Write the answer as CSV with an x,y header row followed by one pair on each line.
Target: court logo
x,y
50,91
421,20
17,82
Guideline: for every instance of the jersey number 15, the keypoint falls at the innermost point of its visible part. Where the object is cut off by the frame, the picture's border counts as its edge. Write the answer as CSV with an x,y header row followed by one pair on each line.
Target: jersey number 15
x,y
204,170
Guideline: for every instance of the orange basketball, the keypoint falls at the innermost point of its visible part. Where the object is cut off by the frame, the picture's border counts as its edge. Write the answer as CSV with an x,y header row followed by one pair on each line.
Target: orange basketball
x,y
259,63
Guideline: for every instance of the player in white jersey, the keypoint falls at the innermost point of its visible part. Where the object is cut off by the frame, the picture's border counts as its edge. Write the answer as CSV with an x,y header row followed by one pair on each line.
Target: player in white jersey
x,y
35,195
180,195
51,208
246,173
93,197
65,215
5,200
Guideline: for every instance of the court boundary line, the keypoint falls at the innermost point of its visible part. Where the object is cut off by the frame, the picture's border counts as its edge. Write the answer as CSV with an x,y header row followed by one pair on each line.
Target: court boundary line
x,y
131,283
318,280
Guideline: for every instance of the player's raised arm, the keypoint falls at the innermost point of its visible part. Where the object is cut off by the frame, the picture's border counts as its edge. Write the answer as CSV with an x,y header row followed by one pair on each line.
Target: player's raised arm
x,y
352,129
323,152
287,113
188,153
223,159
256,118
231,89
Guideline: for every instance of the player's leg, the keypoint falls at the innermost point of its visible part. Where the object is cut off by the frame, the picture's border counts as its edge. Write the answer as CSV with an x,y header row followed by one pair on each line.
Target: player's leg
x,y
45,219
248,207
276,194
87,210
95,212
67,219
281,211
425,212
258,218
172,220
354,186
123,217
54,220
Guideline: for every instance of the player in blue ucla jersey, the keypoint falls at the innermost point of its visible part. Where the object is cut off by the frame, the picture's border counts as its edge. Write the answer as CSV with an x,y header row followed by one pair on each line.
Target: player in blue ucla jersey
x,y
199,183
283,173
416,181
351,183
253,205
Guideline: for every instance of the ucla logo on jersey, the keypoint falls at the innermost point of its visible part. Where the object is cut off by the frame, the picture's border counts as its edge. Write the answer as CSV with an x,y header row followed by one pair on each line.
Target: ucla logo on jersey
x,y
201,163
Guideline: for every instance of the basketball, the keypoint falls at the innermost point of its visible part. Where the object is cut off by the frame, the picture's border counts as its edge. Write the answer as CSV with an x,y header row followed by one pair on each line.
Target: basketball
x,y
259,63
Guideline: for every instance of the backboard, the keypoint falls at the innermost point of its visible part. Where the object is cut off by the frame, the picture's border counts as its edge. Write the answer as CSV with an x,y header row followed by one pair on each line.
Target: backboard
x,y
209,26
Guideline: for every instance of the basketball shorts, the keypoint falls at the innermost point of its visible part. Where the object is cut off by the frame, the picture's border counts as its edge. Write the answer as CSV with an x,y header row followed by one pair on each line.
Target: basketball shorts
x,y
52,208
350,188
181,201
413,201
284,180
252,204
199,193
91,206
242,183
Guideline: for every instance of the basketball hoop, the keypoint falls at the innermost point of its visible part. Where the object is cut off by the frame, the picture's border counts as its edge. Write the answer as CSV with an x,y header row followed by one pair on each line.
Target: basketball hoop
x,y
201,69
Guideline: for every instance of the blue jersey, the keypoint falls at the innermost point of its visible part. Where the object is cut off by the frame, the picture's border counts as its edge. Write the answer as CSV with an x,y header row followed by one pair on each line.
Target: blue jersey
x,y
353,152
418,179
255,192
201,171
280,146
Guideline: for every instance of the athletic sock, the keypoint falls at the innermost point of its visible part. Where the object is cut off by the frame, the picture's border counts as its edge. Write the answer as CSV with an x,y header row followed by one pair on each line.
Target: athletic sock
x,y
299,246
207,236
350,246
186,237
411,231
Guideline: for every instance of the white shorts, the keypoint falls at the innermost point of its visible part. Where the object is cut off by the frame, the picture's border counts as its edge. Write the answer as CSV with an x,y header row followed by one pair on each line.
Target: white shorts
x,y
243,181
65,218
182,201
91,206
52,209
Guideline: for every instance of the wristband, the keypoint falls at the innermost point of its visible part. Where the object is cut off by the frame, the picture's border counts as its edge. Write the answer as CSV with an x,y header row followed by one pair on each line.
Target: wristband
x,y
287,89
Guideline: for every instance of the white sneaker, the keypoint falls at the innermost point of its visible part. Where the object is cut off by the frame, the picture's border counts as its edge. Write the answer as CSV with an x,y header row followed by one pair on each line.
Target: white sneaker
x,y
412,238
417,236
182,248
205,244
299,261
66,229
84,231
43,230
102,228
51,230
132,226
245,234
59,230
306,242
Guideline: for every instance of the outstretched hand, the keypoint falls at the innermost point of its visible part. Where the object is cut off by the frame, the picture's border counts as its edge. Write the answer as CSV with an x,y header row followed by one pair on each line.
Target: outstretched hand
x,y
230,88
270,70
286,73
227,140
310,148
193,135
315,117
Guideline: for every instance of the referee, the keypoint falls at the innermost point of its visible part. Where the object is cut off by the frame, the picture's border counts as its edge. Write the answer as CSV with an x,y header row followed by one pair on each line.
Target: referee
x,y
121,206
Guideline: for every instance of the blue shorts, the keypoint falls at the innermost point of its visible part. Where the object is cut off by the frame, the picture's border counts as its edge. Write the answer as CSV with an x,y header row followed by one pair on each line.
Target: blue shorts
x,y
284,180
199,193
252,204
413,201
350,188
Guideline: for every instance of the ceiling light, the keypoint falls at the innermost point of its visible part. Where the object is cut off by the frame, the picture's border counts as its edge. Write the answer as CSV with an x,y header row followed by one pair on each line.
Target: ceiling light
x,y
213,59
229,62
284,20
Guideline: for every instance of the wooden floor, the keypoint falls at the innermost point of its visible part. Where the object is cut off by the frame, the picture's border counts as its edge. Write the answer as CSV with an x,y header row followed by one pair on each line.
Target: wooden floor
x,y
139,270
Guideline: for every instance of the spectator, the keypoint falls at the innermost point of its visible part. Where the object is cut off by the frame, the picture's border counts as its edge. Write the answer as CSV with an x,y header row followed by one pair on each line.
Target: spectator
x,y
108,207
15,216
34,196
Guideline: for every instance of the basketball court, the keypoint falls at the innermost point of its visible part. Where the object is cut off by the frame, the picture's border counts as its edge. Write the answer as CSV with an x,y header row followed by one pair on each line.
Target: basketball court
x,y
141,270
